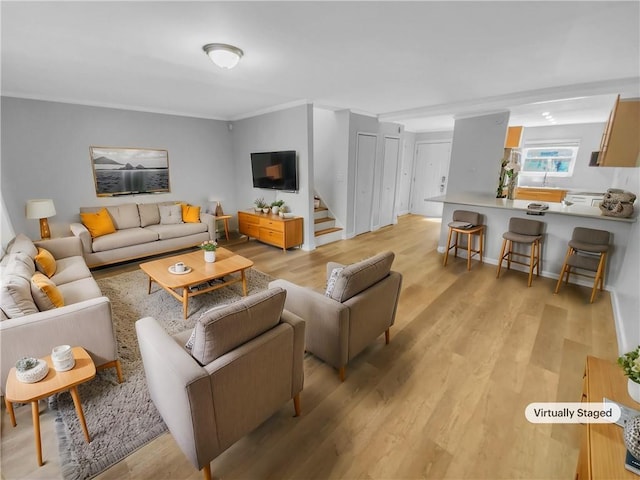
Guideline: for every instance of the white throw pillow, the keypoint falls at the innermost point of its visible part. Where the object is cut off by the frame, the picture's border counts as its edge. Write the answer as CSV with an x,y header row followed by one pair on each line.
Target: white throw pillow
x,y
170,214
331,283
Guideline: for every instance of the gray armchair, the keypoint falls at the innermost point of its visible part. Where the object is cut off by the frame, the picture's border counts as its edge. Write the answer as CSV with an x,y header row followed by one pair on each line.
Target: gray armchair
x,y
244,362
361,305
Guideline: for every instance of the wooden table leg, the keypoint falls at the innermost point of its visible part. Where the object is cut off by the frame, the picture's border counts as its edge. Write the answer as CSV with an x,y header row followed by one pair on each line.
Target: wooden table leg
x,y
185,301
12,415
76,402
226,228
244,283
149,287
35,413
469,239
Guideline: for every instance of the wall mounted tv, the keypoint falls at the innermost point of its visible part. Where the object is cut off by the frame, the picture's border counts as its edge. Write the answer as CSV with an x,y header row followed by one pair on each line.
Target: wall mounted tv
x,y
275,170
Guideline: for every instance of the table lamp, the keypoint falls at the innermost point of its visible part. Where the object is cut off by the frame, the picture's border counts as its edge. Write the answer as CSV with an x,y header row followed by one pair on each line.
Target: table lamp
x,y
41,209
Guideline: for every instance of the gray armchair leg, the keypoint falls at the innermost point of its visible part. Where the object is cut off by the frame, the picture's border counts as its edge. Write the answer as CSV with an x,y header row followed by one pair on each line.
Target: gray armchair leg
x,y
207,472
387,336
341,372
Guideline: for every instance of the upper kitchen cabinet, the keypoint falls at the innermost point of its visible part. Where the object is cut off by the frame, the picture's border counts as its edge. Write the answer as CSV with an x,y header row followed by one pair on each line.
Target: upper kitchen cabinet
x,y
620,145
514,135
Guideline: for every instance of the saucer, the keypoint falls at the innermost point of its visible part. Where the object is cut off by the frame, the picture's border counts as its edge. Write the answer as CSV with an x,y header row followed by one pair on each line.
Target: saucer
x,y
172,270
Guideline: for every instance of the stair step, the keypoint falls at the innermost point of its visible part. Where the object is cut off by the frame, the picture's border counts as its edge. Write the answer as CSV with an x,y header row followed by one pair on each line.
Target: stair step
x,y
326,231
320,209
323,220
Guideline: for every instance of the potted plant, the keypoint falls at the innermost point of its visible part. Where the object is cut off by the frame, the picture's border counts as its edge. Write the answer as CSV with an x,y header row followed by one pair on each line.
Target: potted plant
x,y
630,363
209,248
275,206
259,204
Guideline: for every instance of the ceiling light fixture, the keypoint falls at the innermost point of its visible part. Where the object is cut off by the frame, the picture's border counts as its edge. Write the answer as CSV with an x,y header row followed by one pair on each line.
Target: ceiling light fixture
x,y
223,55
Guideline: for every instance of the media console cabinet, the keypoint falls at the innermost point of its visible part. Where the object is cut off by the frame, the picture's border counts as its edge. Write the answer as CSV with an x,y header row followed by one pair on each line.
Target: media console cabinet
x,y
272,229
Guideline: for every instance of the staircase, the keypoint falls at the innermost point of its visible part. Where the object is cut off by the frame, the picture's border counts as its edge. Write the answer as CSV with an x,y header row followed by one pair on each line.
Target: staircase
x,y
325,227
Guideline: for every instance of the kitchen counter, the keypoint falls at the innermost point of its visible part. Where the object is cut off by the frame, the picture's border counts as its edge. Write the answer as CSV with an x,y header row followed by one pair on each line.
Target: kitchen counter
x,y
559,224
488,200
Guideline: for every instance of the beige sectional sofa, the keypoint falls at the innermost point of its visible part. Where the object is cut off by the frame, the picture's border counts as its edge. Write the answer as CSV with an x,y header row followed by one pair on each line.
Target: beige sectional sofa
x,y
140,232
31,326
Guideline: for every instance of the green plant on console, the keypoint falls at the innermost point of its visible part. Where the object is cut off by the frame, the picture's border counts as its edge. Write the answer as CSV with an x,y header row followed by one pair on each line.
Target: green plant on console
x,y
260,203
630,363
277,203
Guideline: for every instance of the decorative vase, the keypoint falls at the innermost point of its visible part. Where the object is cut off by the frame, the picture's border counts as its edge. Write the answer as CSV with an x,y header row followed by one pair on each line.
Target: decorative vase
x,y
634,390
632,436
34,374
266,210
511,187
209,256
275,210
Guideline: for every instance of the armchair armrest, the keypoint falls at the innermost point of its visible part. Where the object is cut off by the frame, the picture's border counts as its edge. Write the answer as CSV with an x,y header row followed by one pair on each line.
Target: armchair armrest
x,y
181,390
86,323
330,320
62,247
298,325
210,221
81,231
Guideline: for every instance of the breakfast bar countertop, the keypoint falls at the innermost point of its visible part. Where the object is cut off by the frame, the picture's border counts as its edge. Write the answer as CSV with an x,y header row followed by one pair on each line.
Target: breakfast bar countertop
x,y
488,200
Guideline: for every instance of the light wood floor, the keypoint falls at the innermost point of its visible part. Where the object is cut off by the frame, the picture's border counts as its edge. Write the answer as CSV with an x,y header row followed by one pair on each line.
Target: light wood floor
x,y
445,399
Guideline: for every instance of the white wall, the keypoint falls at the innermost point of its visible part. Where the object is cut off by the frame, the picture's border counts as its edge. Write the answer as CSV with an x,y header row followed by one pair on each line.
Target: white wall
x,y
476,152
45,154
290,129
585,178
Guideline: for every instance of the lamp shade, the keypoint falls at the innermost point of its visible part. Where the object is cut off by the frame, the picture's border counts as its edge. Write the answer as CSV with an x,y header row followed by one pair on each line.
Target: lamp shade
x,y
223,55
40,208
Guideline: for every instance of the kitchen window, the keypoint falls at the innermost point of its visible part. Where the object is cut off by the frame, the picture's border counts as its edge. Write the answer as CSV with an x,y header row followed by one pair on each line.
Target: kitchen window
x,y
553,159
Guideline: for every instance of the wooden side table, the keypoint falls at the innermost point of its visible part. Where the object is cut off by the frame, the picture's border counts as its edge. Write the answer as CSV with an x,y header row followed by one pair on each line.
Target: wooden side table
x,y
225,219
602,450
16,391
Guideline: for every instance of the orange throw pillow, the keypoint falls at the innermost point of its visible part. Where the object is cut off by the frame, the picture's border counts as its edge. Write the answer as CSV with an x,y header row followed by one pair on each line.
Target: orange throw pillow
x,y
190,213
45,262
98,223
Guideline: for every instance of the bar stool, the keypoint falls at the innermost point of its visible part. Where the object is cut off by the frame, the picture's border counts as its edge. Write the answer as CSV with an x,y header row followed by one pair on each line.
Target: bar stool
x,y
588,249
526,232
466,223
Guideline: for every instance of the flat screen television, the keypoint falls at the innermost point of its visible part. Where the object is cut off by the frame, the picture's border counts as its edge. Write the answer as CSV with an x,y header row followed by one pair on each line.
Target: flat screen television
x,y
275,170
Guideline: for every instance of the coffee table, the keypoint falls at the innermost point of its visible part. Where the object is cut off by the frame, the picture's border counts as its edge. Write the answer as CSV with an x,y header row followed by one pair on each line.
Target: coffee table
x,y
16,391
227,264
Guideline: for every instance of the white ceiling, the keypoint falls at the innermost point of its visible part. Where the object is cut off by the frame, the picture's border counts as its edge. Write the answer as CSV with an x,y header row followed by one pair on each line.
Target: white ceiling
x,y
416,63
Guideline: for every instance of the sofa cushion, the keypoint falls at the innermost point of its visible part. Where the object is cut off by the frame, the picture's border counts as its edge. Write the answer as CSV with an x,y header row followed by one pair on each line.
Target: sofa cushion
x,y
15,286
45,293
170,214
221,330
165,232
70,269
124,238
355,278
149,214
124,216
190,213
23,244
45,262
98,223
80,290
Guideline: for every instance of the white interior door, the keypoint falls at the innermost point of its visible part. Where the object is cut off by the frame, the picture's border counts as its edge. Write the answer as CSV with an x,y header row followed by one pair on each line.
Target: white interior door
x,y
430,177
389,180
404,183
365,165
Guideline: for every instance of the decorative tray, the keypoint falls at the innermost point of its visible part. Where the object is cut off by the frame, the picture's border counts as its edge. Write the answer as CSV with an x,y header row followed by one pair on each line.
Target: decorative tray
x,y
186,270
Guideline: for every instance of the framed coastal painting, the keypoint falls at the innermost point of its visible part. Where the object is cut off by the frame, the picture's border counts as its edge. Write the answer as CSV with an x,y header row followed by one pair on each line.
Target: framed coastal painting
x,y
127,171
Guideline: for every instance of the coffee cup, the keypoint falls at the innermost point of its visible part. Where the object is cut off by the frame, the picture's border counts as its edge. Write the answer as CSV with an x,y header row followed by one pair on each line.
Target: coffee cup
x,y
179,267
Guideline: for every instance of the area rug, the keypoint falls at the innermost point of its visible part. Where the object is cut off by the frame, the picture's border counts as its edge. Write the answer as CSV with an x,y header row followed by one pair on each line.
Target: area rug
x,y
121,417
